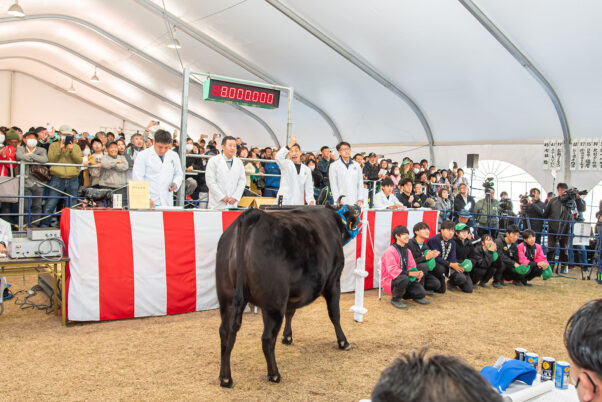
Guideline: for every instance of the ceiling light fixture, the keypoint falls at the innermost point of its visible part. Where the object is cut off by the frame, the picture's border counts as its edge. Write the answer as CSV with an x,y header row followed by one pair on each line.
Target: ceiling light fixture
x,y
71,89
176,43
95,77
15,10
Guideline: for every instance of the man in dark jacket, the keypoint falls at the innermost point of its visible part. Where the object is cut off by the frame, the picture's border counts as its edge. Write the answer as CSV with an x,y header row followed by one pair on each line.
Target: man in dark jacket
x,y
536,209
446,260
462,199
484,265
417,245
464,251
558,231
508,257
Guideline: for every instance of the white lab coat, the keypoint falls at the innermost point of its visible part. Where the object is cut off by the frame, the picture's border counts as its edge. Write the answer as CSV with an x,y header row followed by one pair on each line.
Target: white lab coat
x,y
381,200
6,236
159,174
295,188
346,181
223,182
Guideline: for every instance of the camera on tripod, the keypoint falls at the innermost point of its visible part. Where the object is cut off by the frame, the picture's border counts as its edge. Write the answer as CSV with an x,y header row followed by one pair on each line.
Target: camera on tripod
x,y
488,185
569,200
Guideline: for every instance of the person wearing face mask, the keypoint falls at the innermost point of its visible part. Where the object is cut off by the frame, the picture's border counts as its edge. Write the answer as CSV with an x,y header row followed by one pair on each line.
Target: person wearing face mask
x,y
395,178
62,178
316,176
296,184
31,152
7,170
416,169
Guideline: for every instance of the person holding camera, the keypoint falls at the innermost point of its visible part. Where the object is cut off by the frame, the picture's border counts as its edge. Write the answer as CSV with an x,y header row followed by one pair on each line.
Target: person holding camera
x,y
559,211
535,211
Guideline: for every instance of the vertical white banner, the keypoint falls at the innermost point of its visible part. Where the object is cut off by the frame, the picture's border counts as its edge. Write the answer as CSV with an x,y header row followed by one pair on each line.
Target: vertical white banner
x,y
574,156
546,155
595,153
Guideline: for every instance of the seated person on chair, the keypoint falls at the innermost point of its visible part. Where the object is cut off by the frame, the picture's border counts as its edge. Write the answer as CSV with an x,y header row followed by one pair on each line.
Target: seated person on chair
x,y
509,266
417,245
445,244
399,275
464,251
385,198
531,254
484,266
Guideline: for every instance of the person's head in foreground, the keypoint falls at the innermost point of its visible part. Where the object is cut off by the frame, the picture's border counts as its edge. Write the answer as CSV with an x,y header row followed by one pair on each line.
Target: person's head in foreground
x,y
416,378
583,341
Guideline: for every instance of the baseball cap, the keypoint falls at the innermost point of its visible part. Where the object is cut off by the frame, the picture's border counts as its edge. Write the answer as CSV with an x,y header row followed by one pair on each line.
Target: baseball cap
x,y
510,371
464,214
461,226
66,129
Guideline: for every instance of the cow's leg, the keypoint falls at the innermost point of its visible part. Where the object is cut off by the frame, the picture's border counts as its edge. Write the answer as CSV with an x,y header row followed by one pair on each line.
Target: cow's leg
x,y
231,322
332,297
272,321
287,335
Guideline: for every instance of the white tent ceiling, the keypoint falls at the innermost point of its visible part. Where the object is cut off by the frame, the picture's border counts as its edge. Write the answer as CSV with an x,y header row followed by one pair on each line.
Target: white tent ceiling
x,y
467,86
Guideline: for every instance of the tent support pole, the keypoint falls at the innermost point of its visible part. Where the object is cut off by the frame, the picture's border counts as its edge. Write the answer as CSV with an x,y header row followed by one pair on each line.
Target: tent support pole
x,y
184,134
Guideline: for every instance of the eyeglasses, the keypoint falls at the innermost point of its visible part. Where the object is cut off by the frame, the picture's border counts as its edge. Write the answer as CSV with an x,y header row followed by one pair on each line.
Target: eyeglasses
x,y
590,380
344,149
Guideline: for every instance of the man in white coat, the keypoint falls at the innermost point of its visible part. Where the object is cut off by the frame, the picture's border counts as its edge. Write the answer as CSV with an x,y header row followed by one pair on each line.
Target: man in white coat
x,y
161,168
385,199
346,177
225,177
296,183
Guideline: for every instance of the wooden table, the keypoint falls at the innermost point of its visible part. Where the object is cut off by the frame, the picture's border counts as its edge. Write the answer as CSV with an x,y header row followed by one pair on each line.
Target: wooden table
x,y
36,266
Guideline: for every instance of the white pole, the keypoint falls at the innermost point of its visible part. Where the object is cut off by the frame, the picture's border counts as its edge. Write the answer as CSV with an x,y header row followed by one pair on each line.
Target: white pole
x,y
358,308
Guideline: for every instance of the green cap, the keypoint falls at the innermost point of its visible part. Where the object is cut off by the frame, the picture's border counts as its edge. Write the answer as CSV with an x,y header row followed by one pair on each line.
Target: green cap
x,y
430,263
461,226
495,256
521,269
467,265
12,134
413,278
547,274
404,162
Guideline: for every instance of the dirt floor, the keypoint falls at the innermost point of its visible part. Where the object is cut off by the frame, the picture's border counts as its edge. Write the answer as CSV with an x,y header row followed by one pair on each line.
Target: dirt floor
x,y
177,357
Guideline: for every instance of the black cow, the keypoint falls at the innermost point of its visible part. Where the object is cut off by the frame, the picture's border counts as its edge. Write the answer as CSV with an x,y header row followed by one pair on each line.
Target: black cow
x,y
280,261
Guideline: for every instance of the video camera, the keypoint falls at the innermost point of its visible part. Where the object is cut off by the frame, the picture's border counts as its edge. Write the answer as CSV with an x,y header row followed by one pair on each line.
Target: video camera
x,y
569,200
488,185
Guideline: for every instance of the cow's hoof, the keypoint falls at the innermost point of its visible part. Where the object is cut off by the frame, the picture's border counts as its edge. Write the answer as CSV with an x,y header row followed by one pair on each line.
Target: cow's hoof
x,y
274,378
344,345
287,340
225,382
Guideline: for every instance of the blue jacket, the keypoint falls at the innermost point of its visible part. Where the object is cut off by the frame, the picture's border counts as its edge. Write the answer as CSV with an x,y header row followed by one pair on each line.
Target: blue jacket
x,y
434,243
272,168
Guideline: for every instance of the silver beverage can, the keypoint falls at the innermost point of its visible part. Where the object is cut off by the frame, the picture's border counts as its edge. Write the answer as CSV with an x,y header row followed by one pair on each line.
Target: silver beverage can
x,y
519,354
547,368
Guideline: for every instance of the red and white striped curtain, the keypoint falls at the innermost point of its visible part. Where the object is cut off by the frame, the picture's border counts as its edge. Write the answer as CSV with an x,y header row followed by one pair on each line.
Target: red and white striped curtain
x,y
126,264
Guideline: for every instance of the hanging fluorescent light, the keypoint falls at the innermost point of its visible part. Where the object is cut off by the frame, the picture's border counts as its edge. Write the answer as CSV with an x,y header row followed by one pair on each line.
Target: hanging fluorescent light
x,y
71,89
15,10
176,43
95,77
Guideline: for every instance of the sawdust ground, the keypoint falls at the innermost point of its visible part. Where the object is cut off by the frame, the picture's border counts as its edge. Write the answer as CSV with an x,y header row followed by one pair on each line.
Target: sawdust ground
x,y
177,357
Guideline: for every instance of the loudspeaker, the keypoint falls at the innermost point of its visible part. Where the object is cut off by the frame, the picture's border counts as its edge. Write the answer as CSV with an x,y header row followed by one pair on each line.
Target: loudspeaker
x,y
472,161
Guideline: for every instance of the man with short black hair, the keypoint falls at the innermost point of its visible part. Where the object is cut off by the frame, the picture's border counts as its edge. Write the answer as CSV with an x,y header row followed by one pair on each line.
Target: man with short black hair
x,y
484,261
462,199
43,138
345,177
296,183
535,211
385,197
421,253
583,342
405,196
464,255
161,168
225,177
509,267
419,196
444,243
399,275
414,378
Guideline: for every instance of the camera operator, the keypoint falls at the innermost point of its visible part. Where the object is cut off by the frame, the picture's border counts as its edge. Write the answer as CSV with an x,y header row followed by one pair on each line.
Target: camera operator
x,y
534,209
562,208
488,207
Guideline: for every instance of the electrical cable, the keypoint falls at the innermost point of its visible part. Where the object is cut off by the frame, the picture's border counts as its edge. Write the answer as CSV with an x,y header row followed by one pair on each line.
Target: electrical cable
x,y
50,240
26,303
171,34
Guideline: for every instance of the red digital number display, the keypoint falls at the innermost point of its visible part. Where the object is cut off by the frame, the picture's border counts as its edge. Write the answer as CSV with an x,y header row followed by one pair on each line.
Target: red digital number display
x,y
243,94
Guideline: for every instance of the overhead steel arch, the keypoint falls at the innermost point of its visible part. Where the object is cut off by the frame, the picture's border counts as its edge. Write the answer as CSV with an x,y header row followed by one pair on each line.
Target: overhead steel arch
x,y
354,59
84,100
114,73
74,78
139,53
482,18
235,58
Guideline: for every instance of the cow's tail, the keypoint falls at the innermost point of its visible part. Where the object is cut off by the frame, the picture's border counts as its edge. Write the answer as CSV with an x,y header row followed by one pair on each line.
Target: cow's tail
x,y
244,225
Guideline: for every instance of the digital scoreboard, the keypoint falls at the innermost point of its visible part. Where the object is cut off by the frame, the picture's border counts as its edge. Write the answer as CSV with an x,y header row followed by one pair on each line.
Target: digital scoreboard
x,y
240,94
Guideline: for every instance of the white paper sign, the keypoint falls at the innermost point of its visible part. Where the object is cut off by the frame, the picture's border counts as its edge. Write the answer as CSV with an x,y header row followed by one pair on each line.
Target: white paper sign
x,y
582,232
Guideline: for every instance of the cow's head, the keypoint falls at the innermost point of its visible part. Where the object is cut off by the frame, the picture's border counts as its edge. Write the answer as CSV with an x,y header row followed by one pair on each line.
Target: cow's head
x,y
350,218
